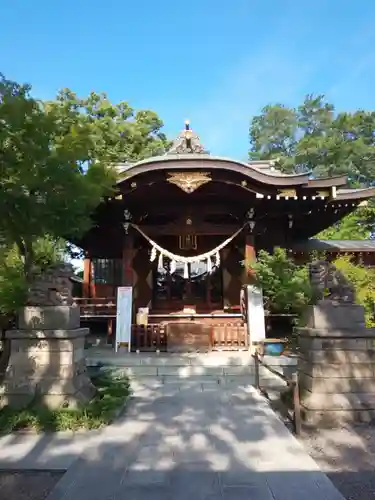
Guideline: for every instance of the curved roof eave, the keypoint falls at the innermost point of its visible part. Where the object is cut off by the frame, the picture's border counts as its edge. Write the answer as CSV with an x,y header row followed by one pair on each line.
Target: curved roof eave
x,y
189,161
355,194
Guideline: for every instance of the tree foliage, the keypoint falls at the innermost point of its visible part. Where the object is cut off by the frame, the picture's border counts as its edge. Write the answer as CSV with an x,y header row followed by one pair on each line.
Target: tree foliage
x,y
356,226
286,285
55,168
116,132
43,186
314,138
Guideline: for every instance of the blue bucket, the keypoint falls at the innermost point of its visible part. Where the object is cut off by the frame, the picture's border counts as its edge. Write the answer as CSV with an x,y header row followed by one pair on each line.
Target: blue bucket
x,y
275,348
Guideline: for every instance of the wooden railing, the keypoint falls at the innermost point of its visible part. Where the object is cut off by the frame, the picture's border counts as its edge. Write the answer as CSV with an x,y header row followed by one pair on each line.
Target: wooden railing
x,y
154,337
229,336
104,307
294,414
149,338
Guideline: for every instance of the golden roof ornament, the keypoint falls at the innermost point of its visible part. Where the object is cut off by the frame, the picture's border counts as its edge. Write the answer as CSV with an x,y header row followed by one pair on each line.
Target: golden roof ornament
x,y
189,181
187,142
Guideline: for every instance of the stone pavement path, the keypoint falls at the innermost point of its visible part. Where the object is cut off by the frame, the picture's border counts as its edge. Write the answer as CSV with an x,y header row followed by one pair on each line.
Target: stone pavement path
x,y
181,442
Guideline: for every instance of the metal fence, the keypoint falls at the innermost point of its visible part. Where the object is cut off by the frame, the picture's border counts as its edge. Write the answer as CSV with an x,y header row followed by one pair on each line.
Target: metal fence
x,y
295,413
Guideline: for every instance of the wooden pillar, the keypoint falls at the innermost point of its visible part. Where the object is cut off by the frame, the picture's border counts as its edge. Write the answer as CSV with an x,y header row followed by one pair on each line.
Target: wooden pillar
x,y
250,256
127,260
86,277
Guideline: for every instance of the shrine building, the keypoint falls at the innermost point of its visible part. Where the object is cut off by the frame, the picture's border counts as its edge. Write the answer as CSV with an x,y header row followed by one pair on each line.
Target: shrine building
x,y
180,228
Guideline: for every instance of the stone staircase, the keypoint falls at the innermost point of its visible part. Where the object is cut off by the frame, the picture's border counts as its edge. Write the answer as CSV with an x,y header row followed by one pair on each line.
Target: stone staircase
x,y
221,368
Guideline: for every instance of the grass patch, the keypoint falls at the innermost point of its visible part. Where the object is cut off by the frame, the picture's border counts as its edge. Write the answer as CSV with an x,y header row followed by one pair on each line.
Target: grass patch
x,y
112,394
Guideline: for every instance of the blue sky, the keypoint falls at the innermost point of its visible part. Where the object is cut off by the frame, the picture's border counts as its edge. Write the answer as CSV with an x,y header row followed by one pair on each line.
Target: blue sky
x,y
214,62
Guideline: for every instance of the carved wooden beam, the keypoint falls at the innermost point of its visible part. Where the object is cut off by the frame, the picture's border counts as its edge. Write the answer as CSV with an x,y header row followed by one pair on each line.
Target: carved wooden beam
x,y
201,229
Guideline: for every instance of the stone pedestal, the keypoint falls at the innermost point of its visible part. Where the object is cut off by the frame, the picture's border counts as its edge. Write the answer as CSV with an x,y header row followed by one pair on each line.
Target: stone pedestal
x,y
47,359
337,365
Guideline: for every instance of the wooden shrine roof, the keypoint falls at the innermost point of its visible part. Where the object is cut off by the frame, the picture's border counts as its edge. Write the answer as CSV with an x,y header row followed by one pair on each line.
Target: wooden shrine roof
x,y
335,245
188,154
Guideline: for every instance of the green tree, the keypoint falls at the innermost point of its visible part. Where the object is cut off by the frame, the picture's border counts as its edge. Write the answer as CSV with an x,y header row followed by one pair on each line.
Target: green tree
x,y
356,226
44,187
116,132
273,135
314,138
55,168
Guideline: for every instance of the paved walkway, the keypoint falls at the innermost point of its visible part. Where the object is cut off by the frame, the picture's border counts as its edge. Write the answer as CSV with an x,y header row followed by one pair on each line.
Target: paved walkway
x,y
179,442
55,451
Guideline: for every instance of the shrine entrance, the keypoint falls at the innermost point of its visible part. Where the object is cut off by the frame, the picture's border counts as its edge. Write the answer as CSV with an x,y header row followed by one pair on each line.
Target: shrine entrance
x,y
183,230
196,286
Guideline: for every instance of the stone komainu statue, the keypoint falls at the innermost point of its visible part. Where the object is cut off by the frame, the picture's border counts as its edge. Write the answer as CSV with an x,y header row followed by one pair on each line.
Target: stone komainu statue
x,y
329,283
53,287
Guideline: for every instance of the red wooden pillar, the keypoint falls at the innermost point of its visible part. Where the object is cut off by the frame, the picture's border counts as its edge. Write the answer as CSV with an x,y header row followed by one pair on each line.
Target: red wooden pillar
x,y
86,277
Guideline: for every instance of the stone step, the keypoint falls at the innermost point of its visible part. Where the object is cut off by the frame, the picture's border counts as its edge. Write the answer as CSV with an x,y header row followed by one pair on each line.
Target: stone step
x,y
212,359
267,380
220,368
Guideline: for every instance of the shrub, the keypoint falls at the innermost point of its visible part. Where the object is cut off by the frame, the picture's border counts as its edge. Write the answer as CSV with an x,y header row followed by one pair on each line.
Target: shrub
x,y
13,286
13,283
286,285
363,279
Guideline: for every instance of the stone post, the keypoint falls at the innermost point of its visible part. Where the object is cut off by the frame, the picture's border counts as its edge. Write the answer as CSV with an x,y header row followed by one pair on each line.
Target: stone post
x,y
337,365
47,359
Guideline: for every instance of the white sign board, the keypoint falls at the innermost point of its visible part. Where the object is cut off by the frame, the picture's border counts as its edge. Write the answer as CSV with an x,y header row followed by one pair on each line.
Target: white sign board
x,y
255,314
124,316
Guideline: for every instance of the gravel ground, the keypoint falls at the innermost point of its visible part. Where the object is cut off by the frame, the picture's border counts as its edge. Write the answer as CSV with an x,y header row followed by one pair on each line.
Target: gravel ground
x,y
27,485
347,456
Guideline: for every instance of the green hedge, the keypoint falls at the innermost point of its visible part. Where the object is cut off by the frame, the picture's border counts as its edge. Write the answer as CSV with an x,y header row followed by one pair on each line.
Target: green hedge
x,y
363,279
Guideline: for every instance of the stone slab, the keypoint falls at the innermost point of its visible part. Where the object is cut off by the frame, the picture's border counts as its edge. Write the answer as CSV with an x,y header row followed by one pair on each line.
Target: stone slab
x,y
47,334
332,385
357,370
50,344
190,371
366,333
336,418
49,317
344,344
338,401
335,316
338,356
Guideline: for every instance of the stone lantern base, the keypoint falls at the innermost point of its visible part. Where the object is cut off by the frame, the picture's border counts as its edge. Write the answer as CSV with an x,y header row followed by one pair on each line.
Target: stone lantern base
x,y
337,366
47,359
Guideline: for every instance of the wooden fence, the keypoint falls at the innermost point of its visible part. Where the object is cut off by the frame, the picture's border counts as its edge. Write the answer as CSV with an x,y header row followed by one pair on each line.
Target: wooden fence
x,y
154,337
228,336
226,331
96,307
295,413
